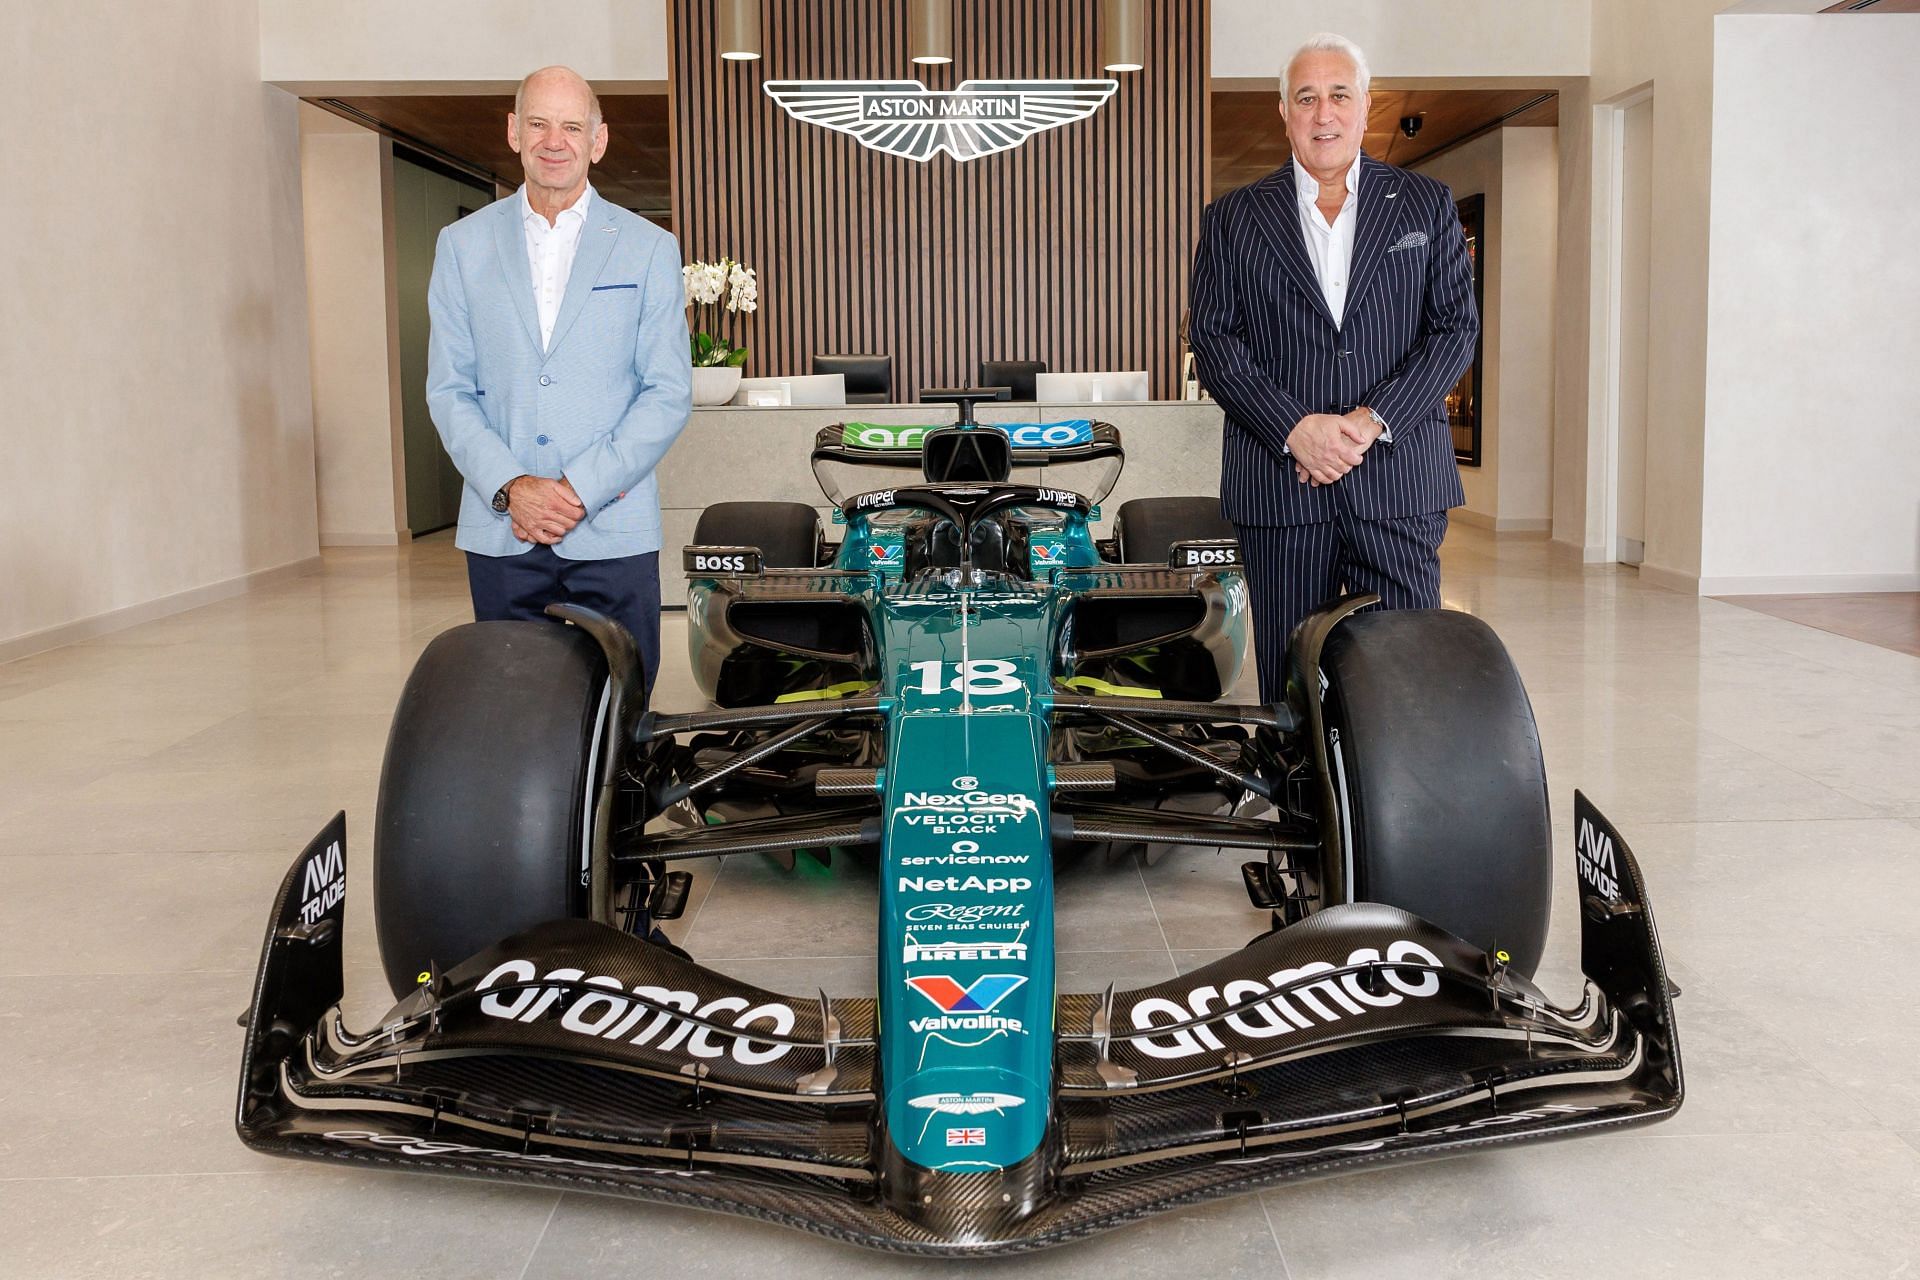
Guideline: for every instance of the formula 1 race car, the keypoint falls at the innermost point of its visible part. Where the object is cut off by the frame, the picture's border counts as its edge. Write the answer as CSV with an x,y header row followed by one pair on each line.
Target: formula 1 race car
x,y
967,685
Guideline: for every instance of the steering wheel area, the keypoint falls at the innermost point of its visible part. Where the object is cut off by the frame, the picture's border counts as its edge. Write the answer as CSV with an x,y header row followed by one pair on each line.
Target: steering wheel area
x,y
964,529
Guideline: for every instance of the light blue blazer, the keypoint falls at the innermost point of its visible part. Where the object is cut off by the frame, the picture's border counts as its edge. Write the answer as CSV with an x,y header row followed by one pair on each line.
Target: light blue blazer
x,y
600,406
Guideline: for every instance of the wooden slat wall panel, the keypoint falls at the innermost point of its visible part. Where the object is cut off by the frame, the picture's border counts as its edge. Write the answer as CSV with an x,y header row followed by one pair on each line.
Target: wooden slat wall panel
x,y
1073,248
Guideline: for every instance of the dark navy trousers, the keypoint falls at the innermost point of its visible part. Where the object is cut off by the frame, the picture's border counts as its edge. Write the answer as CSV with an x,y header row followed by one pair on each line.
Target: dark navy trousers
x,y
626,589
1294,569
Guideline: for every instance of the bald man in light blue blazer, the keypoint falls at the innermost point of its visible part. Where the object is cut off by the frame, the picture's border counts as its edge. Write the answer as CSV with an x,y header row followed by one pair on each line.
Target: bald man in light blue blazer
x,y
558,375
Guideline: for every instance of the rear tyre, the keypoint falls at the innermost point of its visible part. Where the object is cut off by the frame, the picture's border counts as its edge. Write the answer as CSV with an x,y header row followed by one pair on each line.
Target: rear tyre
x,y
1433,749
1145,529
787,533
486,792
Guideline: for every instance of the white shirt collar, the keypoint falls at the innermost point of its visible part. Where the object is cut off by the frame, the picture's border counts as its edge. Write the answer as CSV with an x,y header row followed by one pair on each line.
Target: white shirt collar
x,y
1307,191
578,208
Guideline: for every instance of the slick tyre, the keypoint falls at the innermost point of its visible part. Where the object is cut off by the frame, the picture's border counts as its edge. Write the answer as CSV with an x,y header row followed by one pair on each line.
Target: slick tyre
x,y
1145,529
1436,765
485,794
787,533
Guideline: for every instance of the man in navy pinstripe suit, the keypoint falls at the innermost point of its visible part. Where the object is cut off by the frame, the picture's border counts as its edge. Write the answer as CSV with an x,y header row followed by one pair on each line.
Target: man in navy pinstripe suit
x,y
1332,307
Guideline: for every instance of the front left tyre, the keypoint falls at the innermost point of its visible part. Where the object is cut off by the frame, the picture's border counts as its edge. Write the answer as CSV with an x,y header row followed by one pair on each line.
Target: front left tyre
x,y
486,793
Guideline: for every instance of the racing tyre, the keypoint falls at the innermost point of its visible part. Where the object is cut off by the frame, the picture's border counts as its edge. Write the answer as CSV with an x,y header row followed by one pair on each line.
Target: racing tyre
x,y
1145,529
1436,760
485,795
787,533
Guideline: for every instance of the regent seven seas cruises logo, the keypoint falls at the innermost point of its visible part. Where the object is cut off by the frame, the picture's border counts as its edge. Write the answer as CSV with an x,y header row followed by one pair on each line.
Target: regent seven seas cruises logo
x,y
905,118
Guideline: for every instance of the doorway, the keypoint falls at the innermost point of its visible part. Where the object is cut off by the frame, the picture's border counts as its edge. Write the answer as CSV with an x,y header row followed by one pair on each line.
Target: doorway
x,y
426,197
1632,217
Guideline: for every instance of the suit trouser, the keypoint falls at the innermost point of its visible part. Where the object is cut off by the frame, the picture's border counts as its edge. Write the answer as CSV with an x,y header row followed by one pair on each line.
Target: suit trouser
x,y
1294,569
626,589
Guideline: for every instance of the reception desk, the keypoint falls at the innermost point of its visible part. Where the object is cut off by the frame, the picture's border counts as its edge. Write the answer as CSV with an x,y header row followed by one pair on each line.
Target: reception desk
x,y
730,454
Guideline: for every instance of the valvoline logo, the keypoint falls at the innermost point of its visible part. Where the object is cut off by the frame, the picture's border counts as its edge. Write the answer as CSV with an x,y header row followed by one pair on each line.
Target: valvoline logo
x,y
886,555
1049,555
979,996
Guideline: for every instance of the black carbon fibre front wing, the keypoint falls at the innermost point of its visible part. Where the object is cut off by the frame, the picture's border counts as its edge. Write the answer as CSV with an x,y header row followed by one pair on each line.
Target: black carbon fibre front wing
x,y
576,1056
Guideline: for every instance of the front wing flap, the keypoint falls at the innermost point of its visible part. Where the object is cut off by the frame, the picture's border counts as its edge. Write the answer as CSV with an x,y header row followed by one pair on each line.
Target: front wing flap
x,y
577,1056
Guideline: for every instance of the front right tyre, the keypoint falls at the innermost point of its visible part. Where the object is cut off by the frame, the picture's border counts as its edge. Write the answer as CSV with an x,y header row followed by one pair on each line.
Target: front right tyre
x,y
486,793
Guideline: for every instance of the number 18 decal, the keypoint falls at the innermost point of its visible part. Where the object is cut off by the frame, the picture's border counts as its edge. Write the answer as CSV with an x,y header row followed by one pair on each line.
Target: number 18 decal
x,y
980,676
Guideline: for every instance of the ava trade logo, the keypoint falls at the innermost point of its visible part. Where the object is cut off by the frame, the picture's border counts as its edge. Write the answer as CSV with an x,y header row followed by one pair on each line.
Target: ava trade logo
x,y
980,996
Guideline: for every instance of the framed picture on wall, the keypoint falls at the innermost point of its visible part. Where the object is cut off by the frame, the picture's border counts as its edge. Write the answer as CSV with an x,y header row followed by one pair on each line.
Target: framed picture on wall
x,y
1463,401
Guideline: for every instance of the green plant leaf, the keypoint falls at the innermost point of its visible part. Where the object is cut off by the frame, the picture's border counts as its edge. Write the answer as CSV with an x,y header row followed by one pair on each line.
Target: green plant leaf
x,y
737,359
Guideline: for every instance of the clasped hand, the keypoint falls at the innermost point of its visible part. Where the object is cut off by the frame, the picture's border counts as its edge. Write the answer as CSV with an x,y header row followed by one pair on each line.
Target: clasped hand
x,y
543,510
1325,446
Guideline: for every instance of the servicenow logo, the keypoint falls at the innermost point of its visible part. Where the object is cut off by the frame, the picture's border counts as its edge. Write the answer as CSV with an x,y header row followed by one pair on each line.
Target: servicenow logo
x,y
609,1015
1307,1006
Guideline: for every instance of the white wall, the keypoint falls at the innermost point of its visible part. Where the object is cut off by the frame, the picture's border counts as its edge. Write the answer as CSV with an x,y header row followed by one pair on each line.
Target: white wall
x,y
347,185
1529,245
1516,171
153,348
339,45
1409,38
1667,44
1813,365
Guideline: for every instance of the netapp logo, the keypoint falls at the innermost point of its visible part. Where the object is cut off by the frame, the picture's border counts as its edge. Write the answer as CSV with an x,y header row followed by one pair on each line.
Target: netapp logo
x,y
964,884
609,1015
323,884
904,118
1329,1000
1593,850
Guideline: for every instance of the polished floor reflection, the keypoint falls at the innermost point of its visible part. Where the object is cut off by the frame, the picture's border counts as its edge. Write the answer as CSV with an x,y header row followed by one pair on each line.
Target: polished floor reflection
x,y
155,783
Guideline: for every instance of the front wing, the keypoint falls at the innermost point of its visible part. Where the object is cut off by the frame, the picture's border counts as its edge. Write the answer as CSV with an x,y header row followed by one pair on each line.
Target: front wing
x,y
577,1056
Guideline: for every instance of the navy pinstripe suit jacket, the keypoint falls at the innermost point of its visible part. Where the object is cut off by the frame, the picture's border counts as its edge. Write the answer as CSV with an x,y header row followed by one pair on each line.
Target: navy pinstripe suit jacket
x,y
1269,351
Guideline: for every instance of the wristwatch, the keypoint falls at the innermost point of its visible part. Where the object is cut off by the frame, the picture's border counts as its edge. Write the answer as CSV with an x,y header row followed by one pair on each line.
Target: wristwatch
x,y
1386,432
500,502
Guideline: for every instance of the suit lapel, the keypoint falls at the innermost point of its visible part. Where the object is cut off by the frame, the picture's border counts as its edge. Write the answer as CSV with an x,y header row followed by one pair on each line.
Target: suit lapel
x,y
1380,220
510,239
597,236
1278,219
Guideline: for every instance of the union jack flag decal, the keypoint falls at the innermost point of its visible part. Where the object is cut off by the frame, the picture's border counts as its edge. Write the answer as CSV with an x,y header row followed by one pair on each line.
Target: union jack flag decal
x,y
966,1137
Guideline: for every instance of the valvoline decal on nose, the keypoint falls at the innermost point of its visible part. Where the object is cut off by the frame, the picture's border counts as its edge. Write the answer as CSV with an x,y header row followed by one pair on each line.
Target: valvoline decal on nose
x,y
966,951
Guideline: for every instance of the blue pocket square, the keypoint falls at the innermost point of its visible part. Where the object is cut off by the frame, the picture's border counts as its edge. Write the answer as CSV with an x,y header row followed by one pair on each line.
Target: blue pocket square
x,y
1411,240
602,288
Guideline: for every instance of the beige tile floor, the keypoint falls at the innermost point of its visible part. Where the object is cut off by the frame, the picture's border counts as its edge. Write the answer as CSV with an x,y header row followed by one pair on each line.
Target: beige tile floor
x,y
155,783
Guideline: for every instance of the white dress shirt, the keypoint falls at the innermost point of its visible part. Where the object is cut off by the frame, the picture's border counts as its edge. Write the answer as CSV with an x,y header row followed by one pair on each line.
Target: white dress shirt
x,y
550,250
1329,244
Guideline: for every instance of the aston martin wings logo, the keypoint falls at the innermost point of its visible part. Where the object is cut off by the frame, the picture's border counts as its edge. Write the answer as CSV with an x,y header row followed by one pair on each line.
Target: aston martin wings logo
x,y
905,118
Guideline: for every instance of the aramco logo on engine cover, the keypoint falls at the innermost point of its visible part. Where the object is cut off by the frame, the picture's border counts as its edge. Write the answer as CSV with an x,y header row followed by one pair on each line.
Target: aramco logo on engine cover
x,y
905,118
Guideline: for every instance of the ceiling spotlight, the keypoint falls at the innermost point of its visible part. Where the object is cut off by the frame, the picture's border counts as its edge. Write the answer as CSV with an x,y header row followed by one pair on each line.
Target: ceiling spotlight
x,y
1123,35
740,30
1410,125
930,31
